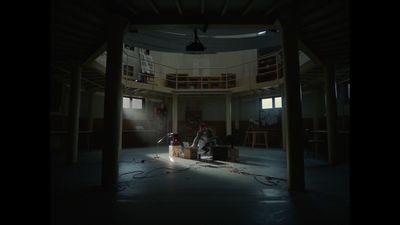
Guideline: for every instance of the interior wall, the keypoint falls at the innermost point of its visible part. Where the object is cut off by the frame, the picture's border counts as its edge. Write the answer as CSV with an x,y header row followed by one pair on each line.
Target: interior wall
x,y
212,108
98,105
248,108
313,104
343,99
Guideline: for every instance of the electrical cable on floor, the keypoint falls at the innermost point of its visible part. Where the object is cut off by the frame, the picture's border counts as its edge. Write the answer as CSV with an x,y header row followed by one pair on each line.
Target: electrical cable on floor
x,y
126,184
269,184
270,181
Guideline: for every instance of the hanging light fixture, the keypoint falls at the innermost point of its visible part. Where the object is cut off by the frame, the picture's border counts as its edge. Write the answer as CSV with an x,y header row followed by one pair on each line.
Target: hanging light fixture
x,y
196,45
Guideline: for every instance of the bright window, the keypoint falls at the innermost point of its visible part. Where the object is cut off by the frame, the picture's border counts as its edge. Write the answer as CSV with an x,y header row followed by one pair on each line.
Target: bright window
x,y
266,103
132,103
126,102
348,90
137,103
278,102
271,103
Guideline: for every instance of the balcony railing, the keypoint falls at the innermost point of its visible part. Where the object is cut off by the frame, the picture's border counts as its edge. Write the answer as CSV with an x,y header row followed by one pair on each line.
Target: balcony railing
x,y
243,75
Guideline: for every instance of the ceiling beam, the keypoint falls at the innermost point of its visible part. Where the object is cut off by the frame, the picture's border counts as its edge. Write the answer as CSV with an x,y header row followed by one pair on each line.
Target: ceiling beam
x,y
326,47
326,32
65,44
54,37
310,53
77,24
225,7
99,50
63,28
70,9
274,6
89,81
337,36
327,10
154,7
179,6
334,53
247,8
320,44
128,5
64,31
331,22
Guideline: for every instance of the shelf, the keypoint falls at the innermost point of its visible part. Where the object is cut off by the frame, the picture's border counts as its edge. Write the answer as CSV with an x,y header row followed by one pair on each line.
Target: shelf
x,y
266,68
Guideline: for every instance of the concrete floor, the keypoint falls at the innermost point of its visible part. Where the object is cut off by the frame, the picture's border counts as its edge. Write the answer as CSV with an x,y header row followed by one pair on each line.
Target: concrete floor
x,y
155,190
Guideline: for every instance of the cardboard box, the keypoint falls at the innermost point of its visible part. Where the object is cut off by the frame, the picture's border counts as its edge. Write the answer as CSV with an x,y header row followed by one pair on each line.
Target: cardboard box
x,y
175,150
190,153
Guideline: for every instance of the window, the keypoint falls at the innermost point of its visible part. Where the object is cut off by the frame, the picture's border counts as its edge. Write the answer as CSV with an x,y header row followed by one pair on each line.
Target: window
x,y
128,70
266,103
126,102
132,103
348,90
137,103
271,103
278,102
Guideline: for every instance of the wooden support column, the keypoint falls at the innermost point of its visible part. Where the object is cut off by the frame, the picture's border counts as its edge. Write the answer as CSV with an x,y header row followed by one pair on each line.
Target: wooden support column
x,y
175,113
73,115
316,112
284,125
113,103
237,113
90,118
295,151
331,112
228,111
90,110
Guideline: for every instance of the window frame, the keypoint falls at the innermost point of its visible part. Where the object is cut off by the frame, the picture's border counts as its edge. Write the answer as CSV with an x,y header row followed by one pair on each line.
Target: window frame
x,y
128,70
273,102
131,102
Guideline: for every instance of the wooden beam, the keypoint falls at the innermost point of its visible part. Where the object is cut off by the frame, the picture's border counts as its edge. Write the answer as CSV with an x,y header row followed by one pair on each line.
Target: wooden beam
x,y
334,53
68,38
275,5
95,53
91,82
327,10
331,22
330,45
78,11
154,7
179,6
70,31
128,5
70,45
338,36
328,31
77,24
309,6
225,7
247,7
310,53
